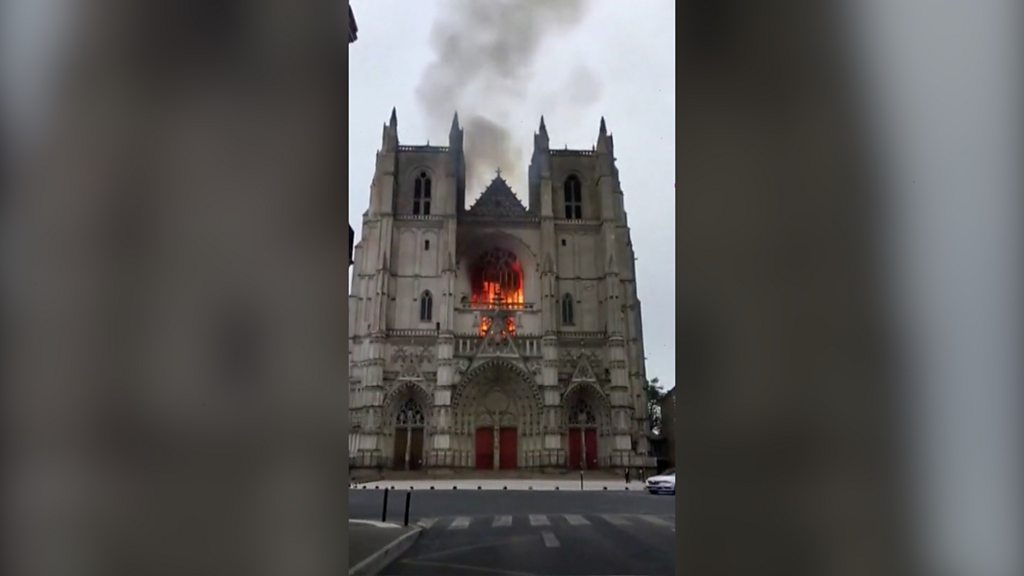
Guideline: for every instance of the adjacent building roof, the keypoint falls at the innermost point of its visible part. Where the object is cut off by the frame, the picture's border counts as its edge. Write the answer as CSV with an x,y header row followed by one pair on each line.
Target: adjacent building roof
x,y
498,200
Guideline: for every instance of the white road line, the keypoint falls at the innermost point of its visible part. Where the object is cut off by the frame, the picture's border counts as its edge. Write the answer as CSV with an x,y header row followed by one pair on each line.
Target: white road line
x,y
502,521
539,520
658,521
549,539
459,523
427,522
616,519
375,523
576,520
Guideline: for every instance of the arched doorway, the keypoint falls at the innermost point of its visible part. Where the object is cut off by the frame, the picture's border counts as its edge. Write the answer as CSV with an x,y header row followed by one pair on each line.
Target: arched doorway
x,y
498,417
586,422
409,424
582,442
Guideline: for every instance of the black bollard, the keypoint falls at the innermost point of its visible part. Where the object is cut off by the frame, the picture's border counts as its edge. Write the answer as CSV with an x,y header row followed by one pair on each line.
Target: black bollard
x,y
581,480
408,496
384,513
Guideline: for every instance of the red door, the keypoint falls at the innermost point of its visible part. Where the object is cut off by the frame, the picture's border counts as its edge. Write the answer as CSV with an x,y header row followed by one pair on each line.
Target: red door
x,y
509,449
484,448
590,439
574,449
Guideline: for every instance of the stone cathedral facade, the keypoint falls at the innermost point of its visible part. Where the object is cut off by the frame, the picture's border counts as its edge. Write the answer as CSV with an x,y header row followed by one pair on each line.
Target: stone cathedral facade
x,y
495,336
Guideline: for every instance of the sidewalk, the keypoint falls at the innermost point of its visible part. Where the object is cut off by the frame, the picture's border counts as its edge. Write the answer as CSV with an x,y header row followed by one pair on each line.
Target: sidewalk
x,y
540,484
374,545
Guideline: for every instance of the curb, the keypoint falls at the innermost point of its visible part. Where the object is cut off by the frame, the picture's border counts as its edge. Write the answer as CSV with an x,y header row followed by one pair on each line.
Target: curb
x,y
381,558
374,523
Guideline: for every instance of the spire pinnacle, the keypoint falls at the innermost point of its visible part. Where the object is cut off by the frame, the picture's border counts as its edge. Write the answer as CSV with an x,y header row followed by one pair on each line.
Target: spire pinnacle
x,y
393,122
455,121
604,128
543,128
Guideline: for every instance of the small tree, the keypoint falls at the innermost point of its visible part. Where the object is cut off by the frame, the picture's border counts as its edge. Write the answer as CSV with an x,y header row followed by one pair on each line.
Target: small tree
x,y
654,395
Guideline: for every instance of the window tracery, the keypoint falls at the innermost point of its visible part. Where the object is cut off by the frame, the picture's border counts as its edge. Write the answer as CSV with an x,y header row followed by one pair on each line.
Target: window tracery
x,y
426,306
421,195
410,414
581,414
498,278
567,310
573,198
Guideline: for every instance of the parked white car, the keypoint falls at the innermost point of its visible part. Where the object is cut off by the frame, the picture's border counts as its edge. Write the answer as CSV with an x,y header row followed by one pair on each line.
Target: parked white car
x,y
663,483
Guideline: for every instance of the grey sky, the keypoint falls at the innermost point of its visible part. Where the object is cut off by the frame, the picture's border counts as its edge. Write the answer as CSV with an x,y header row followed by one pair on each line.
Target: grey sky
x,y
616,59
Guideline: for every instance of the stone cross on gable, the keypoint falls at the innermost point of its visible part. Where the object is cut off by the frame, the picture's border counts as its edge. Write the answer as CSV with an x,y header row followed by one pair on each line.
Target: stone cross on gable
x,y
499,171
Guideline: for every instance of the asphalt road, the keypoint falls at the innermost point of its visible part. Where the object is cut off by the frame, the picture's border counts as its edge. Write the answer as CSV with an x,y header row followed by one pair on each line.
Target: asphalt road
x,y
517,533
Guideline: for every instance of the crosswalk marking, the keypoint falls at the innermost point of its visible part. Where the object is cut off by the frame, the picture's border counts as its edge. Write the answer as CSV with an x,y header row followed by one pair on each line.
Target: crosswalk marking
x,y
659,521
572,520
549,540
616,519
459,523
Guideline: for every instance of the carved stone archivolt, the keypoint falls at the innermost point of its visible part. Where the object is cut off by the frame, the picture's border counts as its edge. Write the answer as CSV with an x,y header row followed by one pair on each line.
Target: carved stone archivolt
x,y
410,413
461,365
581,413
498,393
406,403
585,404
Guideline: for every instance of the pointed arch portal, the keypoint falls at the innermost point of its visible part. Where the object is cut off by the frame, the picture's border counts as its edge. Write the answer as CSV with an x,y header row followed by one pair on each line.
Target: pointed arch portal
x,y
586,418
498,413
407,409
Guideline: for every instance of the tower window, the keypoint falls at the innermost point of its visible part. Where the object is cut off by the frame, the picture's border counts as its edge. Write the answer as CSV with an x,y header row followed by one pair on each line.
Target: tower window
x,y
426,307
567,312
421,195
573,198
426,244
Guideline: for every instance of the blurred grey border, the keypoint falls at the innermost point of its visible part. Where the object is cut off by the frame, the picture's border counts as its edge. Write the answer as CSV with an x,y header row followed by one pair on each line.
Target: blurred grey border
x,y
175,287
849,288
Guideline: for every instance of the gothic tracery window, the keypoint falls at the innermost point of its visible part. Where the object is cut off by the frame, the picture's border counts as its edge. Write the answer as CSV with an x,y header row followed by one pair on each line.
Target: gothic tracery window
x,y
567,310
498,276
410,414
426,306
573,198
580,414
421,195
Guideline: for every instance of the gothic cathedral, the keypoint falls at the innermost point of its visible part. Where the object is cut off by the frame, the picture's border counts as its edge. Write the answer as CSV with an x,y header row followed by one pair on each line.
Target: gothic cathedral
x,y
495,336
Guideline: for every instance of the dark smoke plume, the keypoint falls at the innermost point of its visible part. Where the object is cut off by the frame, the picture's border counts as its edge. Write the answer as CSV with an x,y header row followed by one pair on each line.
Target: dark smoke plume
x,y
485,53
